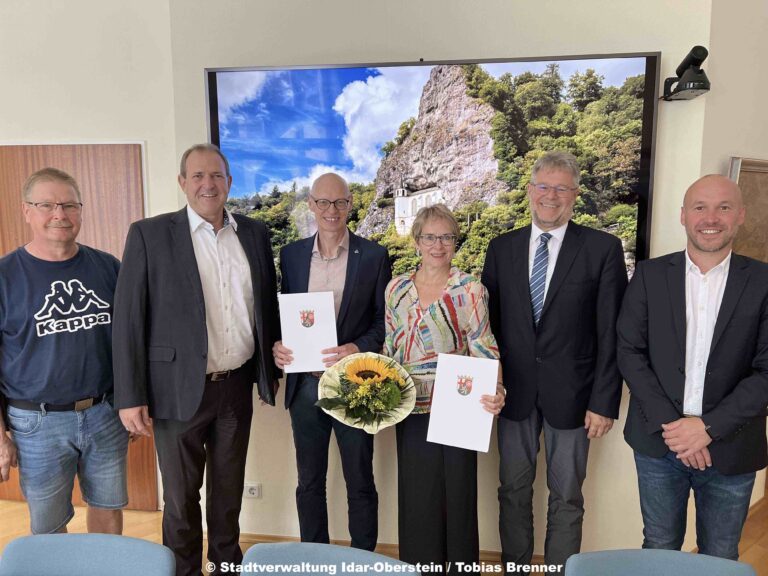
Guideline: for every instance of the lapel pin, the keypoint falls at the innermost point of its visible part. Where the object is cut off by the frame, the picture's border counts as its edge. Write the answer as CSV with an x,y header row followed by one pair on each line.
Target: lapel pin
x,y
357,251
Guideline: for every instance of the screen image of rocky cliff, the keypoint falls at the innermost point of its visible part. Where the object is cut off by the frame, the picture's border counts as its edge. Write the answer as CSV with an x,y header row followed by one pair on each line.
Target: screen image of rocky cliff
x,y
405,137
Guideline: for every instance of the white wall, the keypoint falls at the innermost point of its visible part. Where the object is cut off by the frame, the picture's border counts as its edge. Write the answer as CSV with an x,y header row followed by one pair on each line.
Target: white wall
x,y
736,121
83,71
112,70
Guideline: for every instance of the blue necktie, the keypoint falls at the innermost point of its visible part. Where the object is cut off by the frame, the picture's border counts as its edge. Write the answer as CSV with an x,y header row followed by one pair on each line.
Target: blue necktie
x,y
539,276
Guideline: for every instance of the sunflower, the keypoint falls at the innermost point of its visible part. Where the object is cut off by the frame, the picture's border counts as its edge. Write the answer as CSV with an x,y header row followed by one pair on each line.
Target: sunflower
x,y
367,391
367,371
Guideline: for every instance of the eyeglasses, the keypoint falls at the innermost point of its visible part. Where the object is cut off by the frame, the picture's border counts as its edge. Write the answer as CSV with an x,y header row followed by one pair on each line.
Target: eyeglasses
x,y
341,204
445,239
50,207
559,190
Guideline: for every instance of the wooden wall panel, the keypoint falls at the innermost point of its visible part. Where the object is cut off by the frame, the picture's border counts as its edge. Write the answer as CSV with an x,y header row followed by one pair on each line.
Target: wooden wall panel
x,y
111,184
110,180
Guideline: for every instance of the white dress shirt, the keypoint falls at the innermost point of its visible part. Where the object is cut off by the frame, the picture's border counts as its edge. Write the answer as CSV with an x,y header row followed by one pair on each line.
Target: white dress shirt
x,y
703,296
228,292
553,245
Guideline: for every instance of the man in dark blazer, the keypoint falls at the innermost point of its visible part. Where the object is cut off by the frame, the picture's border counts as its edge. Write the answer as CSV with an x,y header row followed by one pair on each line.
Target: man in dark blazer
x,y
357,272
555,289
693,348
195,320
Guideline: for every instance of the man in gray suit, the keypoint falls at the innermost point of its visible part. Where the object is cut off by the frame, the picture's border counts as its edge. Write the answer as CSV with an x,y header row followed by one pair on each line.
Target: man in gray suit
x,y
195,321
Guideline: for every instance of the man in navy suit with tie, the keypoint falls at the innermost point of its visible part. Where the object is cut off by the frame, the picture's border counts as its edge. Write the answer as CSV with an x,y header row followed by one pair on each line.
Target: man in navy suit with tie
x,y
555,289
357,272
693,348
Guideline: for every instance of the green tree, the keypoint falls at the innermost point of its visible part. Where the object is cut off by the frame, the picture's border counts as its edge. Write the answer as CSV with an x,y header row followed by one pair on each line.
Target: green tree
x,y
585,88
534,100
490,223
402,133
475,78
553,82
402,252
362,196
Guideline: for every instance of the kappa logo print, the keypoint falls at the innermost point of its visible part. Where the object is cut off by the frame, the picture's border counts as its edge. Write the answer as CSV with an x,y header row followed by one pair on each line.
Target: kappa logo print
x,y
71,307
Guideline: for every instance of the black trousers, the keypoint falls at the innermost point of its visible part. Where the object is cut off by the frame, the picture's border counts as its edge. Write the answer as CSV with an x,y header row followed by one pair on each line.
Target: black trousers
x,y
311,436
437,498
215,440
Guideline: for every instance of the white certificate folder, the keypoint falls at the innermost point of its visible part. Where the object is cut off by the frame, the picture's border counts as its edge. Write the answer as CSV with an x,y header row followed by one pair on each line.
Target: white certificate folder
x,y
308,322
457,418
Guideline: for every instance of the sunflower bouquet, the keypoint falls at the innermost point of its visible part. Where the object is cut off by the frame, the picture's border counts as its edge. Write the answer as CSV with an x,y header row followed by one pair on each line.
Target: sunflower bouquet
x,y
367,391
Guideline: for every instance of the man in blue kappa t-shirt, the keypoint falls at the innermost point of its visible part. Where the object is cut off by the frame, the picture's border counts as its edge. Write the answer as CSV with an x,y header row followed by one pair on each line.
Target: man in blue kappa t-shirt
x,y
56,365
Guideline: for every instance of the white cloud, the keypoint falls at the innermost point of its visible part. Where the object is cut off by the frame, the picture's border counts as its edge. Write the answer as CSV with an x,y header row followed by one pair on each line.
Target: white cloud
x,y
308,129
373,111
236,89
253,167
319,154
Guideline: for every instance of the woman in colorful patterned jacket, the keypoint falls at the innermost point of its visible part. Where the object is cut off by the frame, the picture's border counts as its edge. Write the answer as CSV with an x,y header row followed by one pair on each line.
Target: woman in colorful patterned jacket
x,y
437,309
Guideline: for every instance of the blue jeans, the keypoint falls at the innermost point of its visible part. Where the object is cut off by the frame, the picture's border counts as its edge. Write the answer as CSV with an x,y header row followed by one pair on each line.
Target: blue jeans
x,y
54,446
722,503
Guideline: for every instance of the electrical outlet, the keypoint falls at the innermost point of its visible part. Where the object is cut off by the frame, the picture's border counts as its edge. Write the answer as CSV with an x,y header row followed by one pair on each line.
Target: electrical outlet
x,y
252,490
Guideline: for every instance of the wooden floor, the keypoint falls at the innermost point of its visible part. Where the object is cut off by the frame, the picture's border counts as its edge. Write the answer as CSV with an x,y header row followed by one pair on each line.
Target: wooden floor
x,y
14,522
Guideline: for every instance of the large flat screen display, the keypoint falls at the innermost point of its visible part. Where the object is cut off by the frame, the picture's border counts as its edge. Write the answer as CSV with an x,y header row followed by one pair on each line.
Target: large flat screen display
x,y
463,133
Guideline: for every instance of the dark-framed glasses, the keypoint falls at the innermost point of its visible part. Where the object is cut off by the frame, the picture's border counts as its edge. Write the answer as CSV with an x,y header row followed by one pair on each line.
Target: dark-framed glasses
x,y
323,204
559,190
445,239
50,207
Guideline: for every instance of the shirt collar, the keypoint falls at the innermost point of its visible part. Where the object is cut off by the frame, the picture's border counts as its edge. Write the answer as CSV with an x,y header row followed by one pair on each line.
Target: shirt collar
x,y
344,244
558,233
196,221
725,265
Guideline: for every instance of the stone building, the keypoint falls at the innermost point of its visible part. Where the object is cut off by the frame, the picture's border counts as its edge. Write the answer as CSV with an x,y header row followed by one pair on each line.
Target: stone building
x,y
407,205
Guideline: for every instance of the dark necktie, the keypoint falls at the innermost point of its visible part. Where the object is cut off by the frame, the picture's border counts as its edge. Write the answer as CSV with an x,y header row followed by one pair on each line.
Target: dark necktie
x,y
539,276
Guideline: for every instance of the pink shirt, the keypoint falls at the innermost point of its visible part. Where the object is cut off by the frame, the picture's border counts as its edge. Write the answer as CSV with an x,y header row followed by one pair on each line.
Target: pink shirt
x,y
329,274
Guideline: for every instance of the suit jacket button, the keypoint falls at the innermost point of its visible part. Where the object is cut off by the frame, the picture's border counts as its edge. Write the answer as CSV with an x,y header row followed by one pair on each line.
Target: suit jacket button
x,y
538,359
681,369
205,355
677,401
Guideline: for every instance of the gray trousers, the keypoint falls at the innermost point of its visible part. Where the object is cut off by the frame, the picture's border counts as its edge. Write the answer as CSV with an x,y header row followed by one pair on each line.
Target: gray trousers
x,y
566,452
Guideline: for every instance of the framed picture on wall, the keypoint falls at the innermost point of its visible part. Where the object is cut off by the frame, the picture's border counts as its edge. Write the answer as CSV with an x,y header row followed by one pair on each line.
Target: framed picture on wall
x,y
752,177
465,133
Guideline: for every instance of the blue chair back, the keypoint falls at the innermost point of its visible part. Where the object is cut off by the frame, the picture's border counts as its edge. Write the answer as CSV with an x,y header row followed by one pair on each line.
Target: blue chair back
x,y
308,559
652,563
85,555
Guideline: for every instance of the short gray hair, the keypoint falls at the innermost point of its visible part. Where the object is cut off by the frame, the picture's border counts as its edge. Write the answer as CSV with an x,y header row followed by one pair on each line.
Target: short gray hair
x,y
49,175
202,148
558,160
434,212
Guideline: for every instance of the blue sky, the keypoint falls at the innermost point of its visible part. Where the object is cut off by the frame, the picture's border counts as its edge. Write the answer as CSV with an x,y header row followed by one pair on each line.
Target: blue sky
x,y
281,126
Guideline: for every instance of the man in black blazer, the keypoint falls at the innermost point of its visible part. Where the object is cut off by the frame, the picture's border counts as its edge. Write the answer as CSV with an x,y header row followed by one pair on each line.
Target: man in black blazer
x,y
357,272
555,289
693,348
195,320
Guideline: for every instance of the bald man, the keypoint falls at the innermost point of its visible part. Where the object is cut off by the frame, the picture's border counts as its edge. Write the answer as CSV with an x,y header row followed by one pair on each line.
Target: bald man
x,y
693,349
357,272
